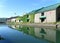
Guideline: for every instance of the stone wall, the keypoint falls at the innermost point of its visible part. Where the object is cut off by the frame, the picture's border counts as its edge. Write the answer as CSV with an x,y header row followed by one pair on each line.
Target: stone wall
x,y
36,19
50,17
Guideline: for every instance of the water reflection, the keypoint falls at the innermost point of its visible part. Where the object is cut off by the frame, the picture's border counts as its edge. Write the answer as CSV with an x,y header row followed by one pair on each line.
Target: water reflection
x,y
58,36
47,34
1,38
51,35
42,31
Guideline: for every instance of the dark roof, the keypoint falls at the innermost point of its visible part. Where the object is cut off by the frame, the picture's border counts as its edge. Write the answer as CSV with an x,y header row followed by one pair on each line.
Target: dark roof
x,y
44,9
52,7
12,17
3,19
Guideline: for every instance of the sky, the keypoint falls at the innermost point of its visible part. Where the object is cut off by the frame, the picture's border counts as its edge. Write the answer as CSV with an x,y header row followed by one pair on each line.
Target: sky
x,y
11,8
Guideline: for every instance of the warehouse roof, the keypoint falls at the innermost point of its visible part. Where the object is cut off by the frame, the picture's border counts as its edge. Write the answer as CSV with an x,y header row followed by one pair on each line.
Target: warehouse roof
x,y
52,7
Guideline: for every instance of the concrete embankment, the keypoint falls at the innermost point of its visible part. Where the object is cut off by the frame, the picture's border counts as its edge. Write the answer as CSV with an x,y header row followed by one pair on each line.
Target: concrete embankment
x,y
51,26
32,24
39,25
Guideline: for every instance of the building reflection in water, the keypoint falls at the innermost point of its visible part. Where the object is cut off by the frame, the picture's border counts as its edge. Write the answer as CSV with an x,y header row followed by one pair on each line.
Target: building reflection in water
x,y
42,32
57,36
48,34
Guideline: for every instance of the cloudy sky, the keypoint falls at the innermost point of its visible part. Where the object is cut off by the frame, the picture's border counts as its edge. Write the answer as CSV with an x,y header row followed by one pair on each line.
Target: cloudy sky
x,y
10,8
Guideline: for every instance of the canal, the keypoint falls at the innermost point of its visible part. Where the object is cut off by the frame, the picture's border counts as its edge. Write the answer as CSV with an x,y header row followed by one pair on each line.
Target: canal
x,y
28,34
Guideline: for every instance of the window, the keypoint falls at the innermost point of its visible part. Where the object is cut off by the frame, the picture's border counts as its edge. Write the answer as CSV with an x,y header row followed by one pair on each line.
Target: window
x,y
27,20
42,20
19,20
27,16
15,20
42,14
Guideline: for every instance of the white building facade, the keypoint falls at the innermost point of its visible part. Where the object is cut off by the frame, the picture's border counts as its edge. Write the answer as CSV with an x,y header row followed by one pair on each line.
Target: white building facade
x,y
48,14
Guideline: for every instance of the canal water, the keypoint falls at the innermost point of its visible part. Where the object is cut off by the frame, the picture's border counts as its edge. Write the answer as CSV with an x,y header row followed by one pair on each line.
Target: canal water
x,y
28,34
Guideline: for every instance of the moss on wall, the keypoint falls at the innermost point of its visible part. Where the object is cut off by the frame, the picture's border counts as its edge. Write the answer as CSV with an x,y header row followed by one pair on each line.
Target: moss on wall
x,y
24,19
31,18
19,18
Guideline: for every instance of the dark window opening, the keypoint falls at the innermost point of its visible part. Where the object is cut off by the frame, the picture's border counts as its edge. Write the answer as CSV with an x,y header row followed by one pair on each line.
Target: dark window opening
x,y
19,20
42,20
27,20
15,20
42,14
27,16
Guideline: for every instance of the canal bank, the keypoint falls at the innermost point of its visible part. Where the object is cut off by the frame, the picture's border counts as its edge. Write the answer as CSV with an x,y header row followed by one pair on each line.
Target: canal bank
x,y
49,25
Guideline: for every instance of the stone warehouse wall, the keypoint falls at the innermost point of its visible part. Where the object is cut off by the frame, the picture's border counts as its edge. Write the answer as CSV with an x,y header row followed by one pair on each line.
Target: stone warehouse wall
x,y
50,17
36,19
